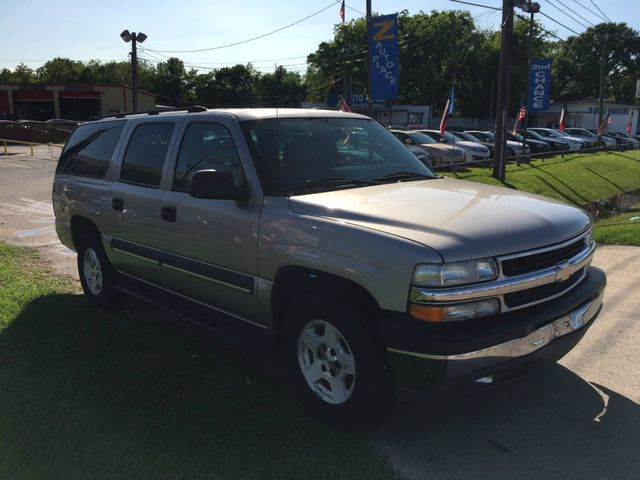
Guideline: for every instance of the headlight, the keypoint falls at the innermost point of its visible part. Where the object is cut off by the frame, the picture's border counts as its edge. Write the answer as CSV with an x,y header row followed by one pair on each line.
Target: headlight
x,y
455,312
458,273
590,238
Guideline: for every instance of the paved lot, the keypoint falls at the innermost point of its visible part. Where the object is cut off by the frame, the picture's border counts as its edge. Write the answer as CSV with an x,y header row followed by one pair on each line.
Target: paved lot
x,y
578,419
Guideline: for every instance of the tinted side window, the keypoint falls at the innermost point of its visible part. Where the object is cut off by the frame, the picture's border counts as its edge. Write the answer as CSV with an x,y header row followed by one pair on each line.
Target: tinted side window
x,y
146,153
89,149
206,145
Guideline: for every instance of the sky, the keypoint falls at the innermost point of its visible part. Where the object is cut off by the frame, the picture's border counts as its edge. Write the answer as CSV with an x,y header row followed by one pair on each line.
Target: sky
x,y
38,30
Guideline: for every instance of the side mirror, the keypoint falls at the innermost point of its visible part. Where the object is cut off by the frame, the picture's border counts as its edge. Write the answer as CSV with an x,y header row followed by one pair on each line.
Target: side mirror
x,y
443,140
216,184
408,141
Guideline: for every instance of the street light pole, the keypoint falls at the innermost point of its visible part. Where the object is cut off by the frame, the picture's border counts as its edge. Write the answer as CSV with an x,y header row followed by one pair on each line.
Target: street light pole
x,y
134,72
533,7
134,38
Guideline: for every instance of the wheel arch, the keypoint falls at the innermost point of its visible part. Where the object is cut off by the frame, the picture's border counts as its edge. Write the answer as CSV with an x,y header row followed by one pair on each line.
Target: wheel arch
x,y
81,225
293,281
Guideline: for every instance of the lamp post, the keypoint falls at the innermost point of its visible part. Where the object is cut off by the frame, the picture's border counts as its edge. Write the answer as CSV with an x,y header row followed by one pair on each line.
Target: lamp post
x,y
134,38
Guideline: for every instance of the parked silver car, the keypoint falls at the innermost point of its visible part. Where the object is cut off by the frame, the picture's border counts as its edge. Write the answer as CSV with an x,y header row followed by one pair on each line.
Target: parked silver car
x,y
474,150
319,233
572,143
590,138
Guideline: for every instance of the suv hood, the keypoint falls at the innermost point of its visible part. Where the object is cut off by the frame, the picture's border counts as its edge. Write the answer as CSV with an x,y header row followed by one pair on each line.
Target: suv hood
x,y
461,220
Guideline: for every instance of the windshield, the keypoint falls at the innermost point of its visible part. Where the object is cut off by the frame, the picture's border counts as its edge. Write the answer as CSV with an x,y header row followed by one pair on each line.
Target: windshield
x,y
486,136
420,137
304,155
580,131
468,136
434,135
544,133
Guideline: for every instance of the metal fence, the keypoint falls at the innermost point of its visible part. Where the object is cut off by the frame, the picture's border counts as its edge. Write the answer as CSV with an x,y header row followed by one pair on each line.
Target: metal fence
x,y
37,132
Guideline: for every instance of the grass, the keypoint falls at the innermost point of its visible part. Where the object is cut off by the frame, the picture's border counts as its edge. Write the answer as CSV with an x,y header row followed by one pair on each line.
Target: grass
x,y
580,180
623,229
577,179
86,394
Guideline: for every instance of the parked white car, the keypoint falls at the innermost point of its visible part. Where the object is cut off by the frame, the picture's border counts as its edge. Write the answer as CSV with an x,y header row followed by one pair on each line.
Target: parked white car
x,y
586,135
572,143
474,150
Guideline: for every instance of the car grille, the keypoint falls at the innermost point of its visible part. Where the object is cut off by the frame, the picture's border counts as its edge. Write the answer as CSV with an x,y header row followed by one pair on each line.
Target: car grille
x,y
531,295
539,261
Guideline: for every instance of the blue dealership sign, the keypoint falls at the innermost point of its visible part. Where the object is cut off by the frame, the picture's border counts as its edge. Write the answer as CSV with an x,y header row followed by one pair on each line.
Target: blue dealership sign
x,y
540,85
383,44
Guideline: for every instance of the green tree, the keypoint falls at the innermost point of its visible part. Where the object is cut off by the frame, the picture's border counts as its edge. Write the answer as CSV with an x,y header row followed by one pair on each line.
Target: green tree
x,y
60,70
23,74
576,66
280,88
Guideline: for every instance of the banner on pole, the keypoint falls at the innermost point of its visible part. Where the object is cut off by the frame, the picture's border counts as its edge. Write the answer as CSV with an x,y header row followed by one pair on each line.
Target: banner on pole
x,y
383,44
540,85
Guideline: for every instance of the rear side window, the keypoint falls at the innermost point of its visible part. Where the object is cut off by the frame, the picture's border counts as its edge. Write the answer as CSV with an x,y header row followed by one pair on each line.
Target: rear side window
x,y
145,154
89,149
206,145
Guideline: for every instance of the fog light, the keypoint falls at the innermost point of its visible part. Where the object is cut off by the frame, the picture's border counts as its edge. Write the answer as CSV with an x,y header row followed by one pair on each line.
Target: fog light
x,y
455,312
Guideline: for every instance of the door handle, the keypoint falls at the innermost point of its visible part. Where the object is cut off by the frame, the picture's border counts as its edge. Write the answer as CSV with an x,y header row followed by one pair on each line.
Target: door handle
x,y
117,204
168,214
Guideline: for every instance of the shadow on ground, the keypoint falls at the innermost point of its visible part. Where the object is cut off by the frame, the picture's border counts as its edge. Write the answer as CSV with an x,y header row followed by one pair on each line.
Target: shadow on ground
x,y
85,394
92,395
551,424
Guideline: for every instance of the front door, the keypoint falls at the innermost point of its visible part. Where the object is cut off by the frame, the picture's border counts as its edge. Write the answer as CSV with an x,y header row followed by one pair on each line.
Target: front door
x,y
135,202
209,247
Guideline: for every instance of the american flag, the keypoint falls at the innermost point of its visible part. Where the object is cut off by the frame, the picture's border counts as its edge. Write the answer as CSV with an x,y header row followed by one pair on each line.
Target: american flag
x,y
563,118
602,129
521,116
449,108
342,14
343,105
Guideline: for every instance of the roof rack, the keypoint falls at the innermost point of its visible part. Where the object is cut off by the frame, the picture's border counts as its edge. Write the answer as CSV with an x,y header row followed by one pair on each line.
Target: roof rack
x,y
191,109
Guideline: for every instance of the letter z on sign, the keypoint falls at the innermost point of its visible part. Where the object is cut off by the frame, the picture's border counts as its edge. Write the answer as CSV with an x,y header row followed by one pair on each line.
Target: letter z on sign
x,y
383,32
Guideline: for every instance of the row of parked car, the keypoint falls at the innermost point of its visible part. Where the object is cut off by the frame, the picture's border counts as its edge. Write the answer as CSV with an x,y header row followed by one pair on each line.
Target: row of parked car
x,y
436,149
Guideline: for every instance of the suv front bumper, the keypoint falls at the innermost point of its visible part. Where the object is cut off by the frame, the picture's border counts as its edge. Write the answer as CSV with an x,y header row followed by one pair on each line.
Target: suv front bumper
x,y
427,359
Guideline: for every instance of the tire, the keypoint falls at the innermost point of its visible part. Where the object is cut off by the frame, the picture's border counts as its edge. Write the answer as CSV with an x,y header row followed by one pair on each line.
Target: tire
x,y
97,275
360,388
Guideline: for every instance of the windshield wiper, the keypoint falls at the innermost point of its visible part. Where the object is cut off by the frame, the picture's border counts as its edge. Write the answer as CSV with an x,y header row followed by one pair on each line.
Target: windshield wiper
x,y
330,181
400,176
315,183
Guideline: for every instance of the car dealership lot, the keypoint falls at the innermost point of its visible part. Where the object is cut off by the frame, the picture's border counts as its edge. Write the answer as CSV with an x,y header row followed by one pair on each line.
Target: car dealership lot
x,y
574,420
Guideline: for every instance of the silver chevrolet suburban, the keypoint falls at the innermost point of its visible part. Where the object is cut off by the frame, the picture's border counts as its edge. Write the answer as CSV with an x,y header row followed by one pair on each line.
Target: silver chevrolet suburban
x,y
319,233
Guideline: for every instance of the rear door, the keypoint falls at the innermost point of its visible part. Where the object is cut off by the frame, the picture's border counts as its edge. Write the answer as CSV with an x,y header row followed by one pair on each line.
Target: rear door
x,y
210,245
135,199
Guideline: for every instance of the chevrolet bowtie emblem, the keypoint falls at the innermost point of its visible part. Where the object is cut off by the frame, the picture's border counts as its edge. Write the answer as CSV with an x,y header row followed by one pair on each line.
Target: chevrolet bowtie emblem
x,y
563,271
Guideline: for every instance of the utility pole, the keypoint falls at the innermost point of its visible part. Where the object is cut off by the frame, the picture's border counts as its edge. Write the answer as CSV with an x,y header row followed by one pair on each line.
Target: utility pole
x,y
504,87
601,103
134,38
369,99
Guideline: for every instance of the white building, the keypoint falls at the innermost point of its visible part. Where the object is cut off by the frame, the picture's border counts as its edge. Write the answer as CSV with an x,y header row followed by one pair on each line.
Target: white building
x,y
584,114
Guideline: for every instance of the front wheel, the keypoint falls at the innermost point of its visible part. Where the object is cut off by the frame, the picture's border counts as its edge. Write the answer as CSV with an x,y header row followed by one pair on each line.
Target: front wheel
x,y
336,363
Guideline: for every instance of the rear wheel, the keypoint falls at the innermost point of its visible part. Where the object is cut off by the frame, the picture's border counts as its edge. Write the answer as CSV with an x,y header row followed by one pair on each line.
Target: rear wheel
x,y
336,364
97,275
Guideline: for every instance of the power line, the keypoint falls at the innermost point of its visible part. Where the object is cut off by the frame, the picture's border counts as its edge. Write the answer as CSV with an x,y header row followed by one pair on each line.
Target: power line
x,y
354,9
554,5
477,5
556,21
600,10
573,11
596,14
248,39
